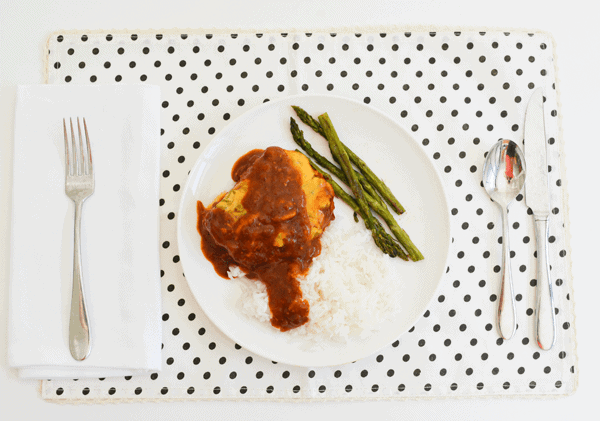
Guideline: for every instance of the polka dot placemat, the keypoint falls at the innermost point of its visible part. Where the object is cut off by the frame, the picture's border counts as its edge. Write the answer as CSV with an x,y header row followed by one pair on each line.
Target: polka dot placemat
x,y
457,93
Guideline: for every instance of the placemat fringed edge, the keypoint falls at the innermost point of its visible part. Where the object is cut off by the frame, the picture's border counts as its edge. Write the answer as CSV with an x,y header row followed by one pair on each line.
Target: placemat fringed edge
x,y
565,200
353,30
108,401
304,30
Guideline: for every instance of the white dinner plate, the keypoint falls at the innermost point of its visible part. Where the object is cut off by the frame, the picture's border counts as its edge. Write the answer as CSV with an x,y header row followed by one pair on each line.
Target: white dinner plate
x,y
390,151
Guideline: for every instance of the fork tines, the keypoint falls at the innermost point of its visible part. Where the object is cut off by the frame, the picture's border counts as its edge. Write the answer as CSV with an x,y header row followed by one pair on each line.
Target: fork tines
x,y
75,155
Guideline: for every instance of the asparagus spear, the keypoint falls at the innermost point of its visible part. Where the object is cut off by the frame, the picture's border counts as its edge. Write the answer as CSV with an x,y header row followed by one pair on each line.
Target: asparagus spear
x,y
370,176
379,207
381,187
399,233
384,241
337,150
298,136
307,119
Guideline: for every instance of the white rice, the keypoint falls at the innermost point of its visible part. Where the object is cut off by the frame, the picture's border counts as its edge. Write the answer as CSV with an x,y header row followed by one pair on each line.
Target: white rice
x,y
350,287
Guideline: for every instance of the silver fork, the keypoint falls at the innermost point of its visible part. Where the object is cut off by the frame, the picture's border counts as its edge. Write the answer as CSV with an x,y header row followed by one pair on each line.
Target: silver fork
x,y
79,185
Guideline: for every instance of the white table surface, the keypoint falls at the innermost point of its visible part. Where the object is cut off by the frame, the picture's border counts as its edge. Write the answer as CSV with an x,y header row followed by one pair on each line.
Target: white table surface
x,y
26,24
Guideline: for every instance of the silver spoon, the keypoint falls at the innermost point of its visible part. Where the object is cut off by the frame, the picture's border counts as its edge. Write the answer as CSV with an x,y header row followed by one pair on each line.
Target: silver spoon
x,y
503,179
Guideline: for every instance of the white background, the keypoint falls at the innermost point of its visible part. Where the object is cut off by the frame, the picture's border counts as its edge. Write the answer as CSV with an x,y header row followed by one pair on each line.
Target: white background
x,y
26,24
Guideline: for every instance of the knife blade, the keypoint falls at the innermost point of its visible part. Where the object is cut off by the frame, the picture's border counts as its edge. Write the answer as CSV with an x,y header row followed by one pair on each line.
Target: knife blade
x,y
537,197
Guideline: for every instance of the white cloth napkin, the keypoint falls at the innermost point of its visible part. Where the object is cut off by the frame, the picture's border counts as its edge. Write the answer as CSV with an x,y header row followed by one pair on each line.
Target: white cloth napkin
x,y
120,232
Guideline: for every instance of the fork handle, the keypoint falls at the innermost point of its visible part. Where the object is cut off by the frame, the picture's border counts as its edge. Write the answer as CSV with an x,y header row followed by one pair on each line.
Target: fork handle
x,y
79,329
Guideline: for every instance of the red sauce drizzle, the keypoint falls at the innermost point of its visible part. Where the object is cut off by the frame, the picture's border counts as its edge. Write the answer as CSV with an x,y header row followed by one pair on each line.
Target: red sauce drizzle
x,y
274,193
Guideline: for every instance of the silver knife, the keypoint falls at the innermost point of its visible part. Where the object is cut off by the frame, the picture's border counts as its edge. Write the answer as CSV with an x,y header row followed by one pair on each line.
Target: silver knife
x,y
537,197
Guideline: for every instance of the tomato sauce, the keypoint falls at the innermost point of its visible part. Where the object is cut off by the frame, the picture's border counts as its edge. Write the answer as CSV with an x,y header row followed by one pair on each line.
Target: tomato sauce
x,y
271,241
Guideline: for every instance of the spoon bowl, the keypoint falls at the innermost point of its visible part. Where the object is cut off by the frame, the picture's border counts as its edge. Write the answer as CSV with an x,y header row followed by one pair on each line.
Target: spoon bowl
x,y
504,172
503,179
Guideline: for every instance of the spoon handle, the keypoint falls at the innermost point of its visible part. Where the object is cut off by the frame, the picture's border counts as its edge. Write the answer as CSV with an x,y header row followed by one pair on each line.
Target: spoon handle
x,y
545,329
507,319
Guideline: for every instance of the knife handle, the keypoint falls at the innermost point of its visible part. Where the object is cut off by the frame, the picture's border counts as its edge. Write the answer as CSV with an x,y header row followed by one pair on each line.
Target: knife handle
x,y
545,327
507,315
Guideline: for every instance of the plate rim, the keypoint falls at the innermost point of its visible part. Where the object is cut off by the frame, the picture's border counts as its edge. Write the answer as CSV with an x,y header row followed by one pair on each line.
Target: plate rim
x,y
271,103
